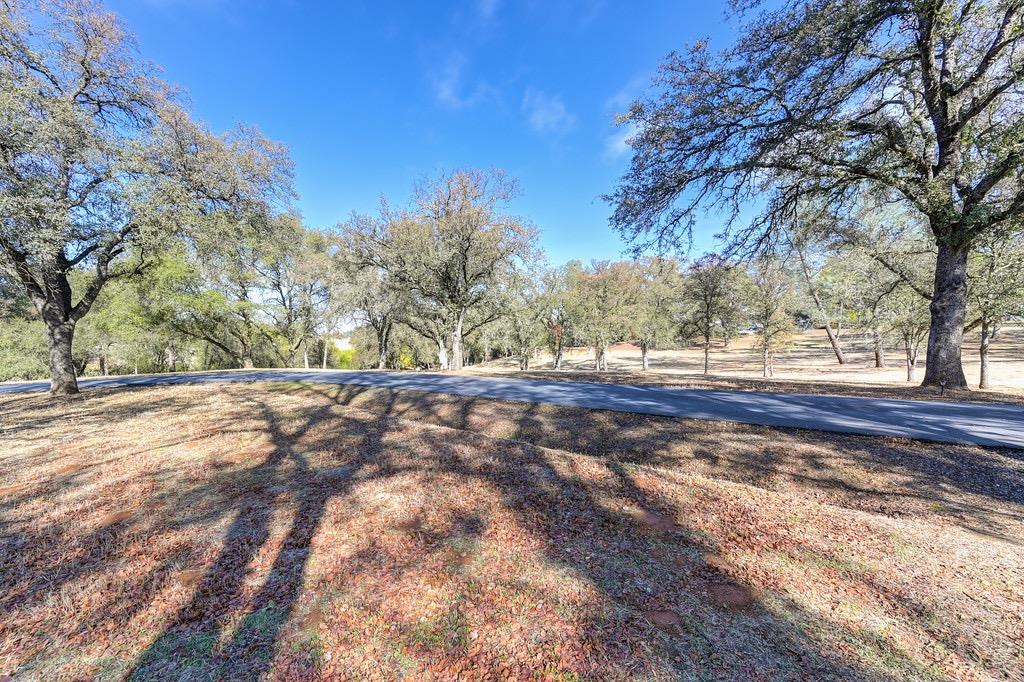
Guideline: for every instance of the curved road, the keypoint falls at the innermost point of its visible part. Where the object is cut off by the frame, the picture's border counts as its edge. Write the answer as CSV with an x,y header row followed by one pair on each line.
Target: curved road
x,y
945,422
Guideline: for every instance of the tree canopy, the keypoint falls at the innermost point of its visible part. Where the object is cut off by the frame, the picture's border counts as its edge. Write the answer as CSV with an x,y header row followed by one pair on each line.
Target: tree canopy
x,y
102,164
870,149
917,103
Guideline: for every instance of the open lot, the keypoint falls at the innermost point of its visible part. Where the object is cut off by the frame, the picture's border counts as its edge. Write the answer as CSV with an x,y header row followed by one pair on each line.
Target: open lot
x,y
300,532
807,365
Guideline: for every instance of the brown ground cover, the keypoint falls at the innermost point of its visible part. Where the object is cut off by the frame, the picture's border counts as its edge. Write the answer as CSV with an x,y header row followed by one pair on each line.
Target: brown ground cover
x,y
299,532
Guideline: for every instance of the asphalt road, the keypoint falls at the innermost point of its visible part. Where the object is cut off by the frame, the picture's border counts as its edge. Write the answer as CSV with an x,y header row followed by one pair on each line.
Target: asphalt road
x,y
944,422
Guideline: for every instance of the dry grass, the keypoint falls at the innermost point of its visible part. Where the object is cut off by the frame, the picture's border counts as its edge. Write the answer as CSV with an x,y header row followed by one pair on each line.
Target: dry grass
x,y
299,532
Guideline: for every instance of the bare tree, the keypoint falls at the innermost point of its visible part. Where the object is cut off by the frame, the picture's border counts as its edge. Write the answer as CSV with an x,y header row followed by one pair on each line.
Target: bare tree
x,y
916,102
868,283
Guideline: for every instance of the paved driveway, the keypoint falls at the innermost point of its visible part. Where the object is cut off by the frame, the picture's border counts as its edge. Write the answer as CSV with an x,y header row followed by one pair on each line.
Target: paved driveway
x,y
947,422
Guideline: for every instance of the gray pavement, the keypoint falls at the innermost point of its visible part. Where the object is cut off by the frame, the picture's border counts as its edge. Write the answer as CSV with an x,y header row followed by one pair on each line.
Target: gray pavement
x,y
945,422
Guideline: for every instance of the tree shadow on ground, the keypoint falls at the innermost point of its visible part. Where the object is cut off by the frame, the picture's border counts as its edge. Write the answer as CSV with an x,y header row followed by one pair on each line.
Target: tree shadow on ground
x,y
245,644
657,598
981,488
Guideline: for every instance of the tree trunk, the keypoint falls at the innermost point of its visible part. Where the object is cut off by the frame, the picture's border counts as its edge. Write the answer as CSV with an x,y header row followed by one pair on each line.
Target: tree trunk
x,y
604,358
383,341
911,364
948,308
557,362
305,355
323,355
707,354
764,362
103,362
248,363
644,364
62,366
986,339
442,354
456,361
876,336
834,340
832,337
172,358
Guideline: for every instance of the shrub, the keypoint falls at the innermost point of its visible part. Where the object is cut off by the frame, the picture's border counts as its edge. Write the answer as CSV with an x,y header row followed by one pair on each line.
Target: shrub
x,y
22,350
342,359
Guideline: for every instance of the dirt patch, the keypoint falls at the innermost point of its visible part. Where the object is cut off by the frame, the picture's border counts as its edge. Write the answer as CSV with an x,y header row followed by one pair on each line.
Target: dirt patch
x,y
190,577
728,595
666,620
979,487
312,620
651,520
15,489
716,566
114,518
68,469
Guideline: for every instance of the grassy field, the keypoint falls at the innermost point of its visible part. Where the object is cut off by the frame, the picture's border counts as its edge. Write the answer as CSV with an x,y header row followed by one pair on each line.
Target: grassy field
x,y
300,532
807,364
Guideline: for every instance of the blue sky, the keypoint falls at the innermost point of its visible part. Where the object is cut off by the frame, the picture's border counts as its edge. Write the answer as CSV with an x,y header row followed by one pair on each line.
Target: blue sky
x,y
372,96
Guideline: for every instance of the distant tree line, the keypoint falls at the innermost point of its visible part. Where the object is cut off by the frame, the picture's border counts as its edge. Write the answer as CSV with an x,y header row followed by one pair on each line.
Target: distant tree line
x,y
133,239
451,279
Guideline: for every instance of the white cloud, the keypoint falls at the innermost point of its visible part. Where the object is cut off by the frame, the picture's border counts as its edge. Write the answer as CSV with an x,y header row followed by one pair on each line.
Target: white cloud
x,y
487,9
547,113
619,102
616,145
449,84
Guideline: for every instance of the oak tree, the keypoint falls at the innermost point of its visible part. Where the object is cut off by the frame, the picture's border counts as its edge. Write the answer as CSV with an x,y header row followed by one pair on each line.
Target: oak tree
x,y
918,102
100,164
